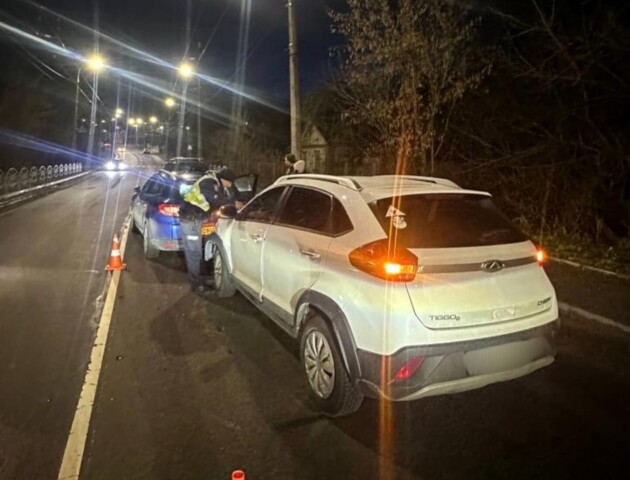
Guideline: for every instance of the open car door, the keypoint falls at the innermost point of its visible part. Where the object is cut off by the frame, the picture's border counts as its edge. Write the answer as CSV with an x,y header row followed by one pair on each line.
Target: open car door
x,y
246,186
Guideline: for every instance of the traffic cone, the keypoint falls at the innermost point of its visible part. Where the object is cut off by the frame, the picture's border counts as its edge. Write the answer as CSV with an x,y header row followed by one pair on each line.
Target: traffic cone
x,y
238,475
115,262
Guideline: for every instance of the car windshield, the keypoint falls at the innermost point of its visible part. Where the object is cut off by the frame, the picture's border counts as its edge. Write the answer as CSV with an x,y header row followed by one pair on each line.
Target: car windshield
x,y
445,221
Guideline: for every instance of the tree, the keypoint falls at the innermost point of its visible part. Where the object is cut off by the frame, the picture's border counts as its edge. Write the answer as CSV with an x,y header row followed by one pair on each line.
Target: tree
x,y
407,64
549,128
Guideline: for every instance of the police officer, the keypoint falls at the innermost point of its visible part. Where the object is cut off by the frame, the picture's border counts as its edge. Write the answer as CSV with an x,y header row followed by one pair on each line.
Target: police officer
x,y
206,195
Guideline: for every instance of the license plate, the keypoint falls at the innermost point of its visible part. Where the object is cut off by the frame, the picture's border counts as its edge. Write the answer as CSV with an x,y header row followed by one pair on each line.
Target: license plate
x,y
207,230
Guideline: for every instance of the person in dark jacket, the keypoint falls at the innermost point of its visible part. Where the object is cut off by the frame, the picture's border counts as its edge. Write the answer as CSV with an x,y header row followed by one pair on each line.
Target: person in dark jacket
x,y
204,197
294,166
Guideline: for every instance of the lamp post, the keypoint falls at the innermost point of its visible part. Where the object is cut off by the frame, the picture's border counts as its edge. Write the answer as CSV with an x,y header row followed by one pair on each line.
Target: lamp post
x,y
153,120
139,123
94,63
170,103
185,71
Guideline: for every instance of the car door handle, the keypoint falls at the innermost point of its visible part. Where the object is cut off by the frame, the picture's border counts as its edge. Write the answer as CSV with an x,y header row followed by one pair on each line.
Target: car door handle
x,y
256,238
313,255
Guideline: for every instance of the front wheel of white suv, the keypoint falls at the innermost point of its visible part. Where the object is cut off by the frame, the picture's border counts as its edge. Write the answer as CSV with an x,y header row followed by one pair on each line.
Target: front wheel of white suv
x,y
223,284
328,382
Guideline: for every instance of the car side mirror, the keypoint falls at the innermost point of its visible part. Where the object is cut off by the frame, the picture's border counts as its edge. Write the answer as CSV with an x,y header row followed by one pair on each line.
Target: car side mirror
x,y
228,212
136,189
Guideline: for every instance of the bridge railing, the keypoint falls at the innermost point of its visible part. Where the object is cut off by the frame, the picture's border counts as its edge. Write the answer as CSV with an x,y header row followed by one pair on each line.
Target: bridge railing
x,y
13,180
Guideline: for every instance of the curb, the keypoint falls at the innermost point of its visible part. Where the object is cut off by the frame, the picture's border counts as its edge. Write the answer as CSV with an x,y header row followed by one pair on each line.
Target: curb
x,y
573,311
588,267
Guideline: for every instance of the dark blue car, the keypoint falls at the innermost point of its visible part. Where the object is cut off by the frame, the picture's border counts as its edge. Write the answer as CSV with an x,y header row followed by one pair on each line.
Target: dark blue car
x,y
155,211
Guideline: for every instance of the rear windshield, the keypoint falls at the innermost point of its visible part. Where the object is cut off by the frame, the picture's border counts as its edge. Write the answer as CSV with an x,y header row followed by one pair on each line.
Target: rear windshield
x,y
191,166
445,221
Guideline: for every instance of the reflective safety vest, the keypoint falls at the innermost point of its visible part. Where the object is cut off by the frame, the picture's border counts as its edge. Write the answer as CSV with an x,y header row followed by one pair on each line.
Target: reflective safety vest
x,y
195,197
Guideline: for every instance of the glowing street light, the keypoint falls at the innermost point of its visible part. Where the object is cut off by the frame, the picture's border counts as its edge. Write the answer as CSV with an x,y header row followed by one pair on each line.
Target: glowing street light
x,y
153,119
131,121
169,102
139,121
96,63
186,70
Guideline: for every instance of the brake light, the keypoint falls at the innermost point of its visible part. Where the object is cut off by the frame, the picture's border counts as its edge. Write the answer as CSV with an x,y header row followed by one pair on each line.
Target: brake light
x,y
169,209
378,260
409,368
540,257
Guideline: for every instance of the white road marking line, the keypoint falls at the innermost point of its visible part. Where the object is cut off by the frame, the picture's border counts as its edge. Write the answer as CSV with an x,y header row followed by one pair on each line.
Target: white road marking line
x,y
569,310
75,446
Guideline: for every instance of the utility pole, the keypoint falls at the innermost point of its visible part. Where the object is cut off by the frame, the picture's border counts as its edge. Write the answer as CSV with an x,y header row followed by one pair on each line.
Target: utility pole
x,y
294,81
199,142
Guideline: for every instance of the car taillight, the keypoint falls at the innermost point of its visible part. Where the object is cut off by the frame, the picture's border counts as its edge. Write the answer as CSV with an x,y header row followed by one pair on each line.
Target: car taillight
x,y
540,257
379,260
409,368
169,209
209,226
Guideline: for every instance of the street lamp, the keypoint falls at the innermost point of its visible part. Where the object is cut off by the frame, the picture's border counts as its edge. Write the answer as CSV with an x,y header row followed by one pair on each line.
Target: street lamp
x,y
186,71
169,102
94,63
119,112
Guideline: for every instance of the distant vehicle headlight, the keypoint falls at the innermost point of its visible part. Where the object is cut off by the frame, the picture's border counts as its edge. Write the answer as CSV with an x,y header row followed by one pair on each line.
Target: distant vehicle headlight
x,y
110,165
122,165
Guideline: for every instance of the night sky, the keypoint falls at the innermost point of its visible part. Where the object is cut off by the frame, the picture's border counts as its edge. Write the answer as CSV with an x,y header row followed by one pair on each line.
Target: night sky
x,y
159,27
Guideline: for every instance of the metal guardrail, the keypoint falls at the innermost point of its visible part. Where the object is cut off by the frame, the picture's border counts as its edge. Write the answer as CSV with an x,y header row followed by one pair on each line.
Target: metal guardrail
x,y
14,180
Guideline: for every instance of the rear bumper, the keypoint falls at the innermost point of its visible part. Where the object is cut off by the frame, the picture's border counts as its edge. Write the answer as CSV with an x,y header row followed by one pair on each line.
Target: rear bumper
x,y
168,244
461,366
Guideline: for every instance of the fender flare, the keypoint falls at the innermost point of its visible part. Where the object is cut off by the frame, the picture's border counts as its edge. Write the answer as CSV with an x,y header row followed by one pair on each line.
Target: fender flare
x,y
338,324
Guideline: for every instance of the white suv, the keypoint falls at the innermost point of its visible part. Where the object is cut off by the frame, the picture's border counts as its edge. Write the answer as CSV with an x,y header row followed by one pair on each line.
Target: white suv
x,y
396,286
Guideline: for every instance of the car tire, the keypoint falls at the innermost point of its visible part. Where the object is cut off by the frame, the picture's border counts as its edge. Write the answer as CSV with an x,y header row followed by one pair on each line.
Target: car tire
x,y
321,359
151,252
222,278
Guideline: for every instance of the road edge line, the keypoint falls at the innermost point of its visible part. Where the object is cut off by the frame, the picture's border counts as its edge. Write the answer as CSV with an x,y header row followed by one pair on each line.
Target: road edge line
x,y
77,437
572,310
603,271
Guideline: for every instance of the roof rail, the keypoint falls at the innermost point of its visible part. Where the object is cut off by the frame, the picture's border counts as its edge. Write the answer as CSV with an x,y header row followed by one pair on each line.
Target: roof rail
x,y
434,180
343,181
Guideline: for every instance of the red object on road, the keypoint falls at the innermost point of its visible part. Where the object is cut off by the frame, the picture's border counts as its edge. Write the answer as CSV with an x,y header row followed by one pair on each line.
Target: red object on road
x,y
238,475
115,261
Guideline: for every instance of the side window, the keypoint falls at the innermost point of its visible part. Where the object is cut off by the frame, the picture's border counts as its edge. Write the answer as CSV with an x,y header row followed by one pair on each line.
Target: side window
x,y
149,186
262,208
307,209
157,185
341,222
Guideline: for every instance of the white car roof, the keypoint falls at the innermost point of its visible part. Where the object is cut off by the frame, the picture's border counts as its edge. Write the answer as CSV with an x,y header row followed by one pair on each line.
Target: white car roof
x,y
379,186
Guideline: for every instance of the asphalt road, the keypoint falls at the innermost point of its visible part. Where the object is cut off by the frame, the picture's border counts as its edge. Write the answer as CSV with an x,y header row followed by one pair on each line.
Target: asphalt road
x,y
53,251
193,388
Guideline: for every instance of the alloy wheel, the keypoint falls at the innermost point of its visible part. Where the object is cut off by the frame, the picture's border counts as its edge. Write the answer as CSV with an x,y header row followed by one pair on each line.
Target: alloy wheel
x,y
319,364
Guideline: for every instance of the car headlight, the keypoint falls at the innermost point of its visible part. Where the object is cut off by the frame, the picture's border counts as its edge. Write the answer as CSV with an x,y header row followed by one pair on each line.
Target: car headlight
x,y
122,165
110,165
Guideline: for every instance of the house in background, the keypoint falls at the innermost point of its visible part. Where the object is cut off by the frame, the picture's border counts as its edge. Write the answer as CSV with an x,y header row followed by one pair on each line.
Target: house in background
x,y
315,150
